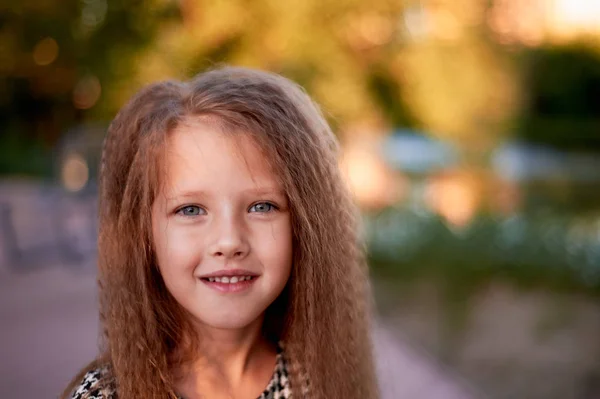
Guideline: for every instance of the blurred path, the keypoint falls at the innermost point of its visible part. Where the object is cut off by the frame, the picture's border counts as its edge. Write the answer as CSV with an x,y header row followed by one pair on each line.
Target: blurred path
x,y
49,327
407,373
48,331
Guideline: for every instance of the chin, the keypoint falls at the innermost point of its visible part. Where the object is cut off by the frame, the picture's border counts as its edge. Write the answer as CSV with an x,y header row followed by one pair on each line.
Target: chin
x,y
228,321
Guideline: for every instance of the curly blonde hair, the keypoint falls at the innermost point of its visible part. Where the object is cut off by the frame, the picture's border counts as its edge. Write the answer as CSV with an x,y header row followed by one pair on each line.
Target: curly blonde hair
x,y
323,315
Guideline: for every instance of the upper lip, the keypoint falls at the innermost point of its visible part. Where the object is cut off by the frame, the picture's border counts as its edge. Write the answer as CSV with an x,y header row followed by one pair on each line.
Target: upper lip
x,y
230,273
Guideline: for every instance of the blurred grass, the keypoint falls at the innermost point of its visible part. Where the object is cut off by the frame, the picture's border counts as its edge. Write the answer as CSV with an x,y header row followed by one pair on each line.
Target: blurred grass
x,y
560,254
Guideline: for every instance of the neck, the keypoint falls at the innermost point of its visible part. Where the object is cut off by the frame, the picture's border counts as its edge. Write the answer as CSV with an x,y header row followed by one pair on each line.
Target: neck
x,y
227,357
231,351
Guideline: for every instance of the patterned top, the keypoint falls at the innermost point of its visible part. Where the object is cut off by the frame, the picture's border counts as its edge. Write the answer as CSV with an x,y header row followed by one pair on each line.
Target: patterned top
x,y
91,386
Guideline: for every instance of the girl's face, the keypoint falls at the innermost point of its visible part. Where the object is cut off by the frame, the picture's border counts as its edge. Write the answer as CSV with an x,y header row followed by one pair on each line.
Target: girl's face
x,y
221,227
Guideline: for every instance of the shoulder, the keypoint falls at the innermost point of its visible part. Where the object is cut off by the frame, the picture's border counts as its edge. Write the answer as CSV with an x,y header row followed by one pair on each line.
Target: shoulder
x,y
95,384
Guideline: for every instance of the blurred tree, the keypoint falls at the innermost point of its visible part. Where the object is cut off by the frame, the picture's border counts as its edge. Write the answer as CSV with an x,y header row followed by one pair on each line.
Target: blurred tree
x,y
372,66
57,58
459,82
563,86
340,51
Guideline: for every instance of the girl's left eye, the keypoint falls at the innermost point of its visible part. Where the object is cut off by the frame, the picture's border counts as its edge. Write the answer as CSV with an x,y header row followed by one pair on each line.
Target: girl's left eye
x,y
262,207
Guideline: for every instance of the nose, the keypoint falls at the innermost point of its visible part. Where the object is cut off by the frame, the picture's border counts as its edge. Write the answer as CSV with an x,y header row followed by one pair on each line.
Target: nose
x,y
229,240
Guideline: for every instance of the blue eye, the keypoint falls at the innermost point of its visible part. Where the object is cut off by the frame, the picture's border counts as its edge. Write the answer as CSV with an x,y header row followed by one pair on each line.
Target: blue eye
x,y
262,207
191,210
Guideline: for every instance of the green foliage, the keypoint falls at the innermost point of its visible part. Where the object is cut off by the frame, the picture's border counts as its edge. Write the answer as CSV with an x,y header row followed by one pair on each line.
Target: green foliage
x,y
556,252
564,87
368,64
387,92
22,156
95,39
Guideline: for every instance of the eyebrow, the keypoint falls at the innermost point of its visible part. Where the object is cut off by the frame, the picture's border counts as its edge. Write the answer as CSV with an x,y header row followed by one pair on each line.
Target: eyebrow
x,y
186,194
200,193
265,191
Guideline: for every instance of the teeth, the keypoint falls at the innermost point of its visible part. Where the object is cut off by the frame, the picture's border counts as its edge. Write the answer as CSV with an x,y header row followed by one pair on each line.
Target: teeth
x,y
229,280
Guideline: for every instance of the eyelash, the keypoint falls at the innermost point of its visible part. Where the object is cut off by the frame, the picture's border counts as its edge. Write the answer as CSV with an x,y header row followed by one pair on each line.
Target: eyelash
x,y
272,205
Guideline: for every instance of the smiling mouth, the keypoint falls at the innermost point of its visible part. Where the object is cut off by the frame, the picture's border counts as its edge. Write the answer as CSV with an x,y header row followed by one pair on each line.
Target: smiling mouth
x,y
229,284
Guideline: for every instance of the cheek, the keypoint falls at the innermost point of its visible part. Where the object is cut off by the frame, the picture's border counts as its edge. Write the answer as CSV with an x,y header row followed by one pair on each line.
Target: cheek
x,y
178,252
274,248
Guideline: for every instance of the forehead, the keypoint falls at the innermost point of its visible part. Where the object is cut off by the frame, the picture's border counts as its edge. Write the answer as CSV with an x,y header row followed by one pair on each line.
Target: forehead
x,y
203,155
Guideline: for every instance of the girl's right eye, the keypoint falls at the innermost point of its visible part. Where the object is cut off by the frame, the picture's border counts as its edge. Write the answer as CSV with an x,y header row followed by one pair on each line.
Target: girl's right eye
x,y
191,210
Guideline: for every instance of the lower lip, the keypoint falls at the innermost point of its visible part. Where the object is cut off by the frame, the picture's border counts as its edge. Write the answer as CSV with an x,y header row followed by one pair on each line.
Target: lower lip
x,y
230,287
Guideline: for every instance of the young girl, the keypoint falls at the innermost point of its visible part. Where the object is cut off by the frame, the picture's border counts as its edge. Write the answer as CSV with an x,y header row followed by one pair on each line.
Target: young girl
x,y
229,265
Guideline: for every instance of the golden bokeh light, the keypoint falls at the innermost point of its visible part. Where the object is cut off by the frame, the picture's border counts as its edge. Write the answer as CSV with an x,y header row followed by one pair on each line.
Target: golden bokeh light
x,y
74,172
45,51
369,179
454,196
87,92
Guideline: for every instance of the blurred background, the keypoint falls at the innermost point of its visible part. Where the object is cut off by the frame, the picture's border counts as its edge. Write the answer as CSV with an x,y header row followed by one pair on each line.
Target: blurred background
x,y
471,140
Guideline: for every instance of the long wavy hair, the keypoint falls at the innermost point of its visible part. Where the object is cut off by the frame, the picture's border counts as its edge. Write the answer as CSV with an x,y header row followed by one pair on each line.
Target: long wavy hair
x,y
323,316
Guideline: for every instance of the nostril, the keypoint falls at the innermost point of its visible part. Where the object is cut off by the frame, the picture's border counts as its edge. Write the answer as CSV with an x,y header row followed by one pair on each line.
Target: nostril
x,y
236,254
